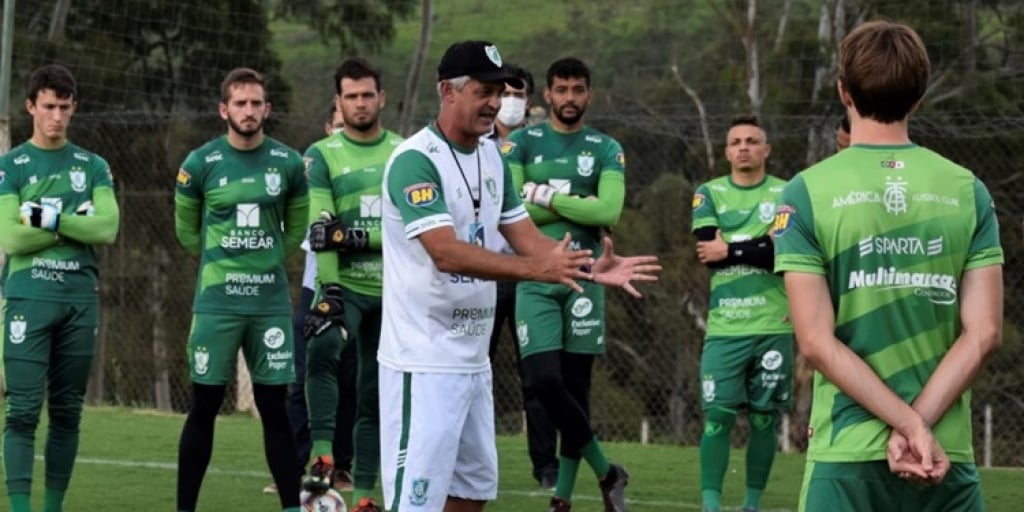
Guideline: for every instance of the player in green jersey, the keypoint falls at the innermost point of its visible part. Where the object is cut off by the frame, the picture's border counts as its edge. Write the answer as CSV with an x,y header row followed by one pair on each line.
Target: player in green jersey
x,y
241,203
893,270
747,358
66,200
573,182
345,173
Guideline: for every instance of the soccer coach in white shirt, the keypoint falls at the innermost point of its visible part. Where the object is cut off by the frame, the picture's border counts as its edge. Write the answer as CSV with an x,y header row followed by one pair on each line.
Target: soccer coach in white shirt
x,y
445,192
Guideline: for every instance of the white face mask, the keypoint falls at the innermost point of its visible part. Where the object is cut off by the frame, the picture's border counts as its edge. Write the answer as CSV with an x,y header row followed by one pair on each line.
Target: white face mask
x,y
512,112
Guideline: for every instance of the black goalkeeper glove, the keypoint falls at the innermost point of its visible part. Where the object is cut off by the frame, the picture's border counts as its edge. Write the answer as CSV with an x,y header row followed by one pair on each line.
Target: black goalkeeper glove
x,y
327,234
328,311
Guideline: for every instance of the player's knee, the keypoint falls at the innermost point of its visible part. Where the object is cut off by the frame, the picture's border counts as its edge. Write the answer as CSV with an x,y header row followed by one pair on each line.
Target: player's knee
x,y
545,383
64,417
270,398
763,420
718,421
206,400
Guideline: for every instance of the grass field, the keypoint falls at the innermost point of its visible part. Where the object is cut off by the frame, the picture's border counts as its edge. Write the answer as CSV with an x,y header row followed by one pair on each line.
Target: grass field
x,y
127,458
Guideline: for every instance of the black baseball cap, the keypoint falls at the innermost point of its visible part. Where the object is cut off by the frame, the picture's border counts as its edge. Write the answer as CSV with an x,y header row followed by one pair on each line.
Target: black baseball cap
x,y
477,59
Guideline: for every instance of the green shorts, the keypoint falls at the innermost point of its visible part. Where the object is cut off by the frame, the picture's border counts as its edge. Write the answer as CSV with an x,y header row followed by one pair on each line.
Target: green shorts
x,y
266,343
871,487
553,317
39,330
756,371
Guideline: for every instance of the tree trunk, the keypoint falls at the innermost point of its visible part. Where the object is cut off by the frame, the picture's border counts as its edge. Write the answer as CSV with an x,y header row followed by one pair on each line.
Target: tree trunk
x,y
826,67
780,34
412,80
753,59
702,113
59,20
157,314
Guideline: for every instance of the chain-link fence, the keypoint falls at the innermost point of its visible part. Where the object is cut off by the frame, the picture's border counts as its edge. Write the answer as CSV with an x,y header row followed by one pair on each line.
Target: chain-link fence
x,y
646,388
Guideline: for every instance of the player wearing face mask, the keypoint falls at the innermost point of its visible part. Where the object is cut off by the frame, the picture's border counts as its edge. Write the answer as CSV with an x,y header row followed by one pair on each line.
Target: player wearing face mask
x,y
514,104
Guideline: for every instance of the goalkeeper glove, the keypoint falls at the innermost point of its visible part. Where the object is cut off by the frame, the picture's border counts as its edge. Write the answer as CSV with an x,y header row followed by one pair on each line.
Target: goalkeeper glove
x,y
538,194
327,311
327,234
43,216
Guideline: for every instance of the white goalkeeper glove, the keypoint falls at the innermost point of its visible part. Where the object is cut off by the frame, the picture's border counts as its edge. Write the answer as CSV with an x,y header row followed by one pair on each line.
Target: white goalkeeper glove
x,y
43,216
86,209
538,194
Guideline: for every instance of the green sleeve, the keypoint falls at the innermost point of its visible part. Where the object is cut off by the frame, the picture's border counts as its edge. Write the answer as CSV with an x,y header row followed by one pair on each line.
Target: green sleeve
x,y
15,237
797,247
321,199
326,261
985,249
510,199
604,211
703,205
187,223
296,219
99,228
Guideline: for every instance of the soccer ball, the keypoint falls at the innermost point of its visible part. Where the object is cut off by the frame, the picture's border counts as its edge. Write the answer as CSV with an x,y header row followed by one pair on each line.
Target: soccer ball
x,y
329,501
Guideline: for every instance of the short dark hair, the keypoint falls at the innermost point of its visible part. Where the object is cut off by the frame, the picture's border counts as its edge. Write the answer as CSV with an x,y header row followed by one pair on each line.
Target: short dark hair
x,y
844,123
355,68
54,77
745,119
239,76
568,67
522,74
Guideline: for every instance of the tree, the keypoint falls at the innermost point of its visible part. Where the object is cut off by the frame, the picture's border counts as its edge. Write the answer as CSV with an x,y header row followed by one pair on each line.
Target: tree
x,y
351,24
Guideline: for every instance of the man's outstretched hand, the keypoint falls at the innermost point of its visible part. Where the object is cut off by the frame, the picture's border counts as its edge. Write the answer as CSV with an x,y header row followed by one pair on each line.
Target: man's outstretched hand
x,y
614,270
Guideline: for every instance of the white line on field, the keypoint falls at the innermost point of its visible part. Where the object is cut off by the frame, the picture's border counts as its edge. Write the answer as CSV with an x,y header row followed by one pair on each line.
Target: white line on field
x,y
171,466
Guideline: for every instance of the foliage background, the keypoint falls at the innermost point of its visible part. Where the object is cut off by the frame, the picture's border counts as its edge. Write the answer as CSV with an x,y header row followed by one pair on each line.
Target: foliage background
x,y
668,75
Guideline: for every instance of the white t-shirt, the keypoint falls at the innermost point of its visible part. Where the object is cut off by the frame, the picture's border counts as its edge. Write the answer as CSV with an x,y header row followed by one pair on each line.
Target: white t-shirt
x,y
435,321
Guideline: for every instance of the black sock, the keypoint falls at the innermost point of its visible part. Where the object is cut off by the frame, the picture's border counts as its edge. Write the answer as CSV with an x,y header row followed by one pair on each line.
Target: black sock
x,y
196,443
278,441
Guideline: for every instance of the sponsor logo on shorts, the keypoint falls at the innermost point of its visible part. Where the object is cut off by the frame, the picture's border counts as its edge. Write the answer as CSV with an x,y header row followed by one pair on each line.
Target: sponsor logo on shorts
x,y
419,493
273,338
421,194
17,329
582,307
771,360
707,387
522,333
201,361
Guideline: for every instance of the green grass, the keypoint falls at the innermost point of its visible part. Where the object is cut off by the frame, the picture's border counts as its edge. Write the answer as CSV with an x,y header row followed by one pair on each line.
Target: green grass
x,y
127,458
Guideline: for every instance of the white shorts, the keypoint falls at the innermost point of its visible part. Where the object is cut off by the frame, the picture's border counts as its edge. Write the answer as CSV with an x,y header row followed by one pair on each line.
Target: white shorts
x,y
436,439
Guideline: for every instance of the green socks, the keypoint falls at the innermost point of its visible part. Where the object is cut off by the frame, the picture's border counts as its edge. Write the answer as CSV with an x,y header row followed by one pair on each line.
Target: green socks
x,y
760,455
53,500
595,457
567,471
323,448
19,503
714,455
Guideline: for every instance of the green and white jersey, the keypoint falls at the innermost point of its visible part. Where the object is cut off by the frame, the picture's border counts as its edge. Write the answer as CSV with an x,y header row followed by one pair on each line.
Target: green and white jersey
x,y
892,228
244,197
572,163
745,300
435,321
347,174
65,178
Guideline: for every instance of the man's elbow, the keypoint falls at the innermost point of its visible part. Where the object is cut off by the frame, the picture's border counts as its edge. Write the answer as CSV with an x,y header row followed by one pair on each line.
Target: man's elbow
x,y
990,339
813,353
